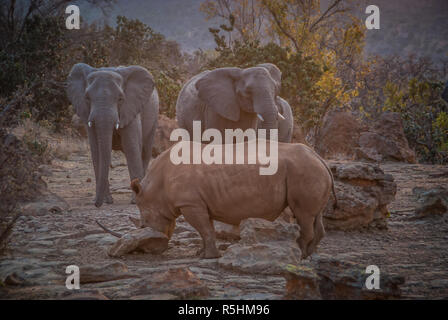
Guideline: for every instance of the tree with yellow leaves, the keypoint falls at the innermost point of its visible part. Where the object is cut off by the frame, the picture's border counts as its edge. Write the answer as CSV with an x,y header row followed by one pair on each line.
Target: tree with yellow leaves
x,y
330,36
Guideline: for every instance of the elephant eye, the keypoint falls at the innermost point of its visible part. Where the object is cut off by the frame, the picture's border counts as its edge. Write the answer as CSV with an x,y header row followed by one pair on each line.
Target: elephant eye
x,y
120,99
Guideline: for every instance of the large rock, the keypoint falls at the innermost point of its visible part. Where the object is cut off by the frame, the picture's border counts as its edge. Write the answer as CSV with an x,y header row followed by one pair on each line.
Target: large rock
x,y
329,278
226,231
144,240
431,201
265,247
103,273
344,136
162,137
177,282
363,192
339,135
385,140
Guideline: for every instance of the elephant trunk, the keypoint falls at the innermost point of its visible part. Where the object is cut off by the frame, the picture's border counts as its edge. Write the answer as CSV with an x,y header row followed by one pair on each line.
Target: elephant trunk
x,y
264,106
104,127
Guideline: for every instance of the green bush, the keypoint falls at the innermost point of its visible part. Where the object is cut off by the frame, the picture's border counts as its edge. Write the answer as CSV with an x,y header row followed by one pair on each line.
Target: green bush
x,y
424,115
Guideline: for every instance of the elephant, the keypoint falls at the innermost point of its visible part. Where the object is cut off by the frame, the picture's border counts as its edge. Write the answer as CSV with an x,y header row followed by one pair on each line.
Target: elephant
x,y
231,193
119,106
231,98
285,122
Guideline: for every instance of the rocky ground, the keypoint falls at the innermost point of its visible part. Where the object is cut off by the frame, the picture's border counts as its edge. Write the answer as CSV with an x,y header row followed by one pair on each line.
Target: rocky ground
x,y
51,234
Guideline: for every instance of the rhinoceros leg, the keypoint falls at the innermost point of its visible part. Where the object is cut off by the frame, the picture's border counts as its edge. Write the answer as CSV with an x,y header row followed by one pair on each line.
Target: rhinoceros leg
x,y
199,219
306,223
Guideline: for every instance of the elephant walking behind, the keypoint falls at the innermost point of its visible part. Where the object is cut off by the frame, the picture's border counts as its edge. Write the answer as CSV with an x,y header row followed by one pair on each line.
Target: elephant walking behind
x,y
119,106
235,98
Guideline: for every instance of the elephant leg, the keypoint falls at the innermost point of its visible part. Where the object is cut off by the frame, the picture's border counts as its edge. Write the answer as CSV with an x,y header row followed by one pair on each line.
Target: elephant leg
x,y
95,158
199,219
147,148
131,143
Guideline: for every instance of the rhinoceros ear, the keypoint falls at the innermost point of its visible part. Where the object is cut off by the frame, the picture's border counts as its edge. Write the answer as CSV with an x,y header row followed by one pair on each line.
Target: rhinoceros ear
x,y
136,187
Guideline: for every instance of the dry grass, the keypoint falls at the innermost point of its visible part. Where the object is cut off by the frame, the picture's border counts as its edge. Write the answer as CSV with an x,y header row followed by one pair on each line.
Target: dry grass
x,y
46,144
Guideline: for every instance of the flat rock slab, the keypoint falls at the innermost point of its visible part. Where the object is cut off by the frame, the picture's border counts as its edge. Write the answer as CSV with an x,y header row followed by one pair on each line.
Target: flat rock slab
x,y
144,240
176,282
103,273
265,247
226,231
260,258
261,231
329,278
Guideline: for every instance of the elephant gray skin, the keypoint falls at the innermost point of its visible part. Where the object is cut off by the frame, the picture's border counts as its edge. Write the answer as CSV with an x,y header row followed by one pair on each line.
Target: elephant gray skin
x,y
119,107
285,122
230,98
231,193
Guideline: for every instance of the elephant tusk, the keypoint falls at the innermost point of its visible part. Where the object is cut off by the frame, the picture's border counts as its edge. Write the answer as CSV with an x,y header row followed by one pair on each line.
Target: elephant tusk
x,y
260,117
281,116
89,124
117,125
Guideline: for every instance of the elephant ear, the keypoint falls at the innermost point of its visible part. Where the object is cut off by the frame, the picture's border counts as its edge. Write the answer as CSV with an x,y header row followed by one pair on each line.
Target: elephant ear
x,y
275,73
138,86
217,90
76,87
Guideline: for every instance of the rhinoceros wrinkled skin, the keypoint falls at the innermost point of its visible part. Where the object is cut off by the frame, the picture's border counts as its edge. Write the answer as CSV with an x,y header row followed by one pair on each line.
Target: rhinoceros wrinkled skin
x,y
231,193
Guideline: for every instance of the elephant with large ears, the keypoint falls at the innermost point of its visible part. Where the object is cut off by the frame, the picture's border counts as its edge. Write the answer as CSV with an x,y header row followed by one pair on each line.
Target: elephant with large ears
x,y
119,107
231,98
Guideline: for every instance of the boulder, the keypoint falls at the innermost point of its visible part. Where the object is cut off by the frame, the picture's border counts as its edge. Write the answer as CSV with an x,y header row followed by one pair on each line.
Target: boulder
x,y
144,240
302,283
385,140
226,231
344,136
339,135
327,278
363,192
162,136
103,273
431,201
178,282
265,247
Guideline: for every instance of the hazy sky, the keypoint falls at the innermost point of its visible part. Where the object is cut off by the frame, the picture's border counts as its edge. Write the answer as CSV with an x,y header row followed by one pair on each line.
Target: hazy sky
x,y
407,26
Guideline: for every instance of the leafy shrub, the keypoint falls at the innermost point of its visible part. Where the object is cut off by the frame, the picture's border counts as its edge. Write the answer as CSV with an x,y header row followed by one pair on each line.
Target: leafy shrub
x,y
424,116
20,179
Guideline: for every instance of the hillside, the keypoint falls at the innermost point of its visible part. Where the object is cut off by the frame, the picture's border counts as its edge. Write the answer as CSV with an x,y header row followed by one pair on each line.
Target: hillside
x,y
407,26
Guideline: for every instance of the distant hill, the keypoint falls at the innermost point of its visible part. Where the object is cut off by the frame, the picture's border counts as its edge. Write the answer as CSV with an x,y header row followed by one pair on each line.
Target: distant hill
x,y
410,26
407,26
